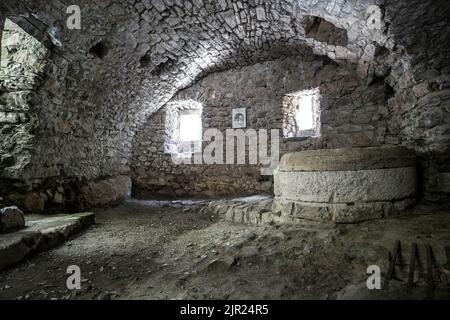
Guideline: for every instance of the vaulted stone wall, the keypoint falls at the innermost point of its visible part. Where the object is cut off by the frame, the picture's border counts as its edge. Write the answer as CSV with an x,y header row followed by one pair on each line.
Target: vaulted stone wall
x,y
416,65
353,114
90,106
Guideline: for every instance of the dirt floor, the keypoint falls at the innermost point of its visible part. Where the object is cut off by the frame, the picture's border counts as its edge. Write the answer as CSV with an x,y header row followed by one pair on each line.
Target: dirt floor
x,y
156,250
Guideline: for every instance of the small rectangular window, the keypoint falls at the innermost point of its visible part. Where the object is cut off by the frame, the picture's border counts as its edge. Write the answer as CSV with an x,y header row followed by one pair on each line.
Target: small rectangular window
x,y
190,127
184,128
301,114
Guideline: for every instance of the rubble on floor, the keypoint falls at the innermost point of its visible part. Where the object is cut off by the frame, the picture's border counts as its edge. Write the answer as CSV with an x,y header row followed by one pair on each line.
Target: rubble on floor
x,y
165,250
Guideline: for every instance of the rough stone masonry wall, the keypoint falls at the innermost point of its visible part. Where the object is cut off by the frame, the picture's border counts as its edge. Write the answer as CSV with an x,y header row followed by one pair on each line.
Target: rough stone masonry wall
x,y
421,106
22,74
353,114
93,101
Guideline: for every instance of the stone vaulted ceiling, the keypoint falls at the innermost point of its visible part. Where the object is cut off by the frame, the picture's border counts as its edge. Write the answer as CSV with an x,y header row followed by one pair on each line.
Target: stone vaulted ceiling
x,y
168,44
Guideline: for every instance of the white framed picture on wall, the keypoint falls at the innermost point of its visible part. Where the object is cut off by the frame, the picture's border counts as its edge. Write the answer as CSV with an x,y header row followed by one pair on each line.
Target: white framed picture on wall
x,y
239,118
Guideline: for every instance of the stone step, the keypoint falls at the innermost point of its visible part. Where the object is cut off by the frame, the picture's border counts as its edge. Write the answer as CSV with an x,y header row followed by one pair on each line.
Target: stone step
x,y
41,233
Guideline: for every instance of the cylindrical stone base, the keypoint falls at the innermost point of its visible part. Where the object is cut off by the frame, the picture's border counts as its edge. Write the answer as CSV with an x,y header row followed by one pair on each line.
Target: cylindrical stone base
x,y
346,185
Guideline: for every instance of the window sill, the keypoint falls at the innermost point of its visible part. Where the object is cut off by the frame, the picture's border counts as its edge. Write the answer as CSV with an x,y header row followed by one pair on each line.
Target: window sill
x,y
183,155
296,139
180,155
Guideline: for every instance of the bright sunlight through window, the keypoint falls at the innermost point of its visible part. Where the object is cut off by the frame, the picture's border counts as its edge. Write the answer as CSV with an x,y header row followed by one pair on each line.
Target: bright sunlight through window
x,y
305,113
301,114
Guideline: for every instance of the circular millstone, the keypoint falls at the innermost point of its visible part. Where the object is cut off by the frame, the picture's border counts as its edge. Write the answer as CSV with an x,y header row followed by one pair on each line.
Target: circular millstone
x,y
348,159
346,185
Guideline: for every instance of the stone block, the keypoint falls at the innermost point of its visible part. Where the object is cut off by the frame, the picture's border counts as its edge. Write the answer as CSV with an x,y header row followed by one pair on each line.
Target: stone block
x,y
346,185
35,202
445,182
105,192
